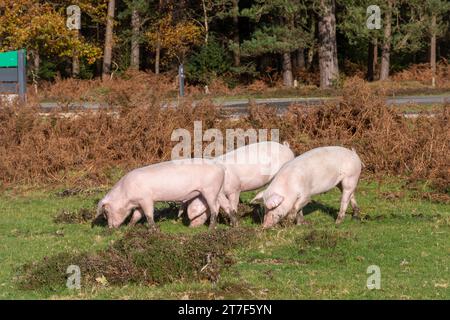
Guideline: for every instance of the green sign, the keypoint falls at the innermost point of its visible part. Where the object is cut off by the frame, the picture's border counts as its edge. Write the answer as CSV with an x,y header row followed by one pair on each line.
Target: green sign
x,y
8,59
13,73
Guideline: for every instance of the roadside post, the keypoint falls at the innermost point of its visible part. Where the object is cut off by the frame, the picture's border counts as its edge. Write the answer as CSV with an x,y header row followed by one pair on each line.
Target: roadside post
x,y
13,78
181,77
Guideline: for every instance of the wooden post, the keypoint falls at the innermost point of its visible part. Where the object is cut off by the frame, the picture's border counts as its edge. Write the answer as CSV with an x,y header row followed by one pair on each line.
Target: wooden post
x,y
22,74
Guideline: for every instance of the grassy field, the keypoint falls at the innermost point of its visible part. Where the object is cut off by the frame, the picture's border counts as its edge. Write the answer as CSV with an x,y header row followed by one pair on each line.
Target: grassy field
x,y
407,237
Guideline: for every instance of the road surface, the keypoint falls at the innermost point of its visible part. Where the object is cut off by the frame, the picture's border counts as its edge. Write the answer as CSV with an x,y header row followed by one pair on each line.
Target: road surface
x,y
239,107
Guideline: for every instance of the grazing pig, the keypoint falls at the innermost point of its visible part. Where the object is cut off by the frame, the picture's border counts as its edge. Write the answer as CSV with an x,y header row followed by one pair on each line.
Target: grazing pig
x,y
179,180
247,168
311,173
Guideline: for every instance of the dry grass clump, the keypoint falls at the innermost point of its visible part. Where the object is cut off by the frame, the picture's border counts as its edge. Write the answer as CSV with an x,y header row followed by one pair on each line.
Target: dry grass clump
x,y
130,89
88,147
387,142
97,147
422,73
143,257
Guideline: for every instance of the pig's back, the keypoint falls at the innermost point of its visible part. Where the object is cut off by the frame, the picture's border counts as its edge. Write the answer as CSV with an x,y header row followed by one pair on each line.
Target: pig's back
x,y
257,163
322,168
176,174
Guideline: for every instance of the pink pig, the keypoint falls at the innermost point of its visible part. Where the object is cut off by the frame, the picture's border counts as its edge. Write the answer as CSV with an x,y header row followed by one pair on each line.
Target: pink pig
x,y
311,173
247,168
179,180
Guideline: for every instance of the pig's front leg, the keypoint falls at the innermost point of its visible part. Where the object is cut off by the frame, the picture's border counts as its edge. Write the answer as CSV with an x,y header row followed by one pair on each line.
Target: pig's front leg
x,y
226,205
148,208
298,207
136,217
234,202
213,204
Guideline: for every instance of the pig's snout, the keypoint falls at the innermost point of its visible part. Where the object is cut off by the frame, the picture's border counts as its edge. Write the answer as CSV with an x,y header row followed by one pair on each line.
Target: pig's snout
x,y
269,221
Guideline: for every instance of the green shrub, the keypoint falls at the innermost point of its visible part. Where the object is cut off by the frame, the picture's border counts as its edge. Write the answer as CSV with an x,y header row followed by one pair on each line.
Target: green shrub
x,y
210,62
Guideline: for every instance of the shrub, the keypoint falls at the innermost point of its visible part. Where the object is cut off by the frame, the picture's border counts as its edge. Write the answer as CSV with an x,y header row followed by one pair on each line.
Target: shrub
x,y
143,257
210,62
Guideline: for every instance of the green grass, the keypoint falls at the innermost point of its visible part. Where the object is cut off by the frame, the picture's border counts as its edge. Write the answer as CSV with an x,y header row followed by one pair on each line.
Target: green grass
x,y
408,239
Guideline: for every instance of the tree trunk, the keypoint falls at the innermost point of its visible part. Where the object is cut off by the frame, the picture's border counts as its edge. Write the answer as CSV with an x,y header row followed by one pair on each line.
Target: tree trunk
x,y
236,38
375,59
36,61
310,52
75,66
301,63
158,41
287,70
310,56
35,68
372,59
107,53
328,62
135,26
157,55
205,20
386,50
76,59
433,50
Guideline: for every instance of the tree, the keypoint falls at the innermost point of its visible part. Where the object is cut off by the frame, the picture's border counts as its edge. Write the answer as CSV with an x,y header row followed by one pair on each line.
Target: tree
x,y
280,31
95,10
236,36
353,24
137,13
135,27
175,38
41,29
107,52
209,63
434,11
328,63
403,27
387,40
224,11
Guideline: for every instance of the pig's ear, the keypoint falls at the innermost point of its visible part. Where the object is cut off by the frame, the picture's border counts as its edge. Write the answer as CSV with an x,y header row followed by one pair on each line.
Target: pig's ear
x,y
258,198
274,201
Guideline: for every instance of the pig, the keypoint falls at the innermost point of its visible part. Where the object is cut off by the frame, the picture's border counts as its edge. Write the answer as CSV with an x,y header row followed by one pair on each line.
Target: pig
x,y
247,168
178,180
311,173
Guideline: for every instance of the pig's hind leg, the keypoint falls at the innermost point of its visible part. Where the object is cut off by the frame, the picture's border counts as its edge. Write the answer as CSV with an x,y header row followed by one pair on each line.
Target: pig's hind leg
x,y
348,187
355,207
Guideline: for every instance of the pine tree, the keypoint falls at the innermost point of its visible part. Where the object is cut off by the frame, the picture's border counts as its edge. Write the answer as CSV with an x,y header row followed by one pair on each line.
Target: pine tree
x,y
278,31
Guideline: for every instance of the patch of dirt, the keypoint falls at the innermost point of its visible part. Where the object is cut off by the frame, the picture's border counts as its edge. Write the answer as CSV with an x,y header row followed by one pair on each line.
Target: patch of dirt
x,y
83,215
392,195
225,290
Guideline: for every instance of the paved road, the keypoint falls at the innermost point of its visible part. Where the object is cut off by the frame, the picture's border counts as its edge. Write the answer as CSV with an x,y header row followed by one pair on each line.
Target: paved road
x,y
240,106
